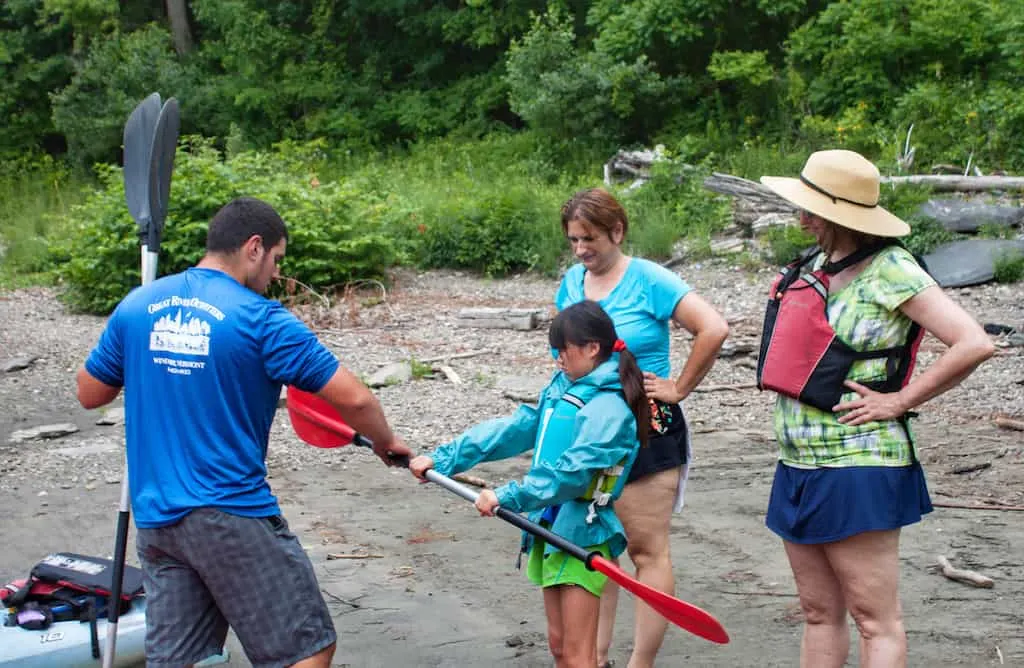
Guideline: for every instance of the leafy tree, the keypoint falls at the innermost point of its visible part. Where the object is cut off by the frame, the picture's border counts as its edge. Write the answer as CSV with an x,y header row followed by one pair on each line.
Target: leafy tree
x,y
35,58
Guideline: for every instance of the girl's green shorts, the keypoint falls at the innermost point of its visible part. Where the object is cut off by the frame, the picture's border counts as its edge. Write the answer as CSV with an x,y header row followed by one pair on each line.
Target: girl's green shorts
x,y
558,568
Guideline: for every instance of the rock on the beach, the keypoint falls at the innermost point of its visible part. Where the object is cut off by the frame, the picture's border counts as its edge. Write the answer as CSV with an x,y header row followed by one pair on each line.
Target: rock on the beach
x,y
44,432
392,374
521,388
112,417
19,363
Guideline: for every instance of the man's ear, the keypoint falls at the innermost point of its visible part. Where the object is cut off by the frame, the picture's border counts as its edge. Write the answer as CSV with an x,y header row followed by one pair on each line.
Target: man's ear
x,y
252,247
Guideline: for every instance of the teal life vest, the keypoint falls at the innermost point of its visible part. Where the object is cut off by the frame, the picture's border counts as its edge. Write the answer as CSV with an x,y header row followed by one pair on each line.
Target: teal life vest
x,y
555,436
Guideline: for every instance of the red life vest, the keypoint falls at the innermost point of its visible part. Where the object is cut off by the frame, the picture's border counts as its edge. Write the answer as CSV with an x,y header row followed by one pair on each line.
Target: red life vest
x,y
801,355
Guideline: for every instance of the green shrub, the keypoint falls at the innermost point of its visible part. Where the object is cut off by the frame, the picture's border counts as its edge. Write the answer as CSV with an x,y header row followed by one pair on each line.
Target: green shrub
x,y
672,205
492,230
785,243
1009,267
926,234
335,233
34,191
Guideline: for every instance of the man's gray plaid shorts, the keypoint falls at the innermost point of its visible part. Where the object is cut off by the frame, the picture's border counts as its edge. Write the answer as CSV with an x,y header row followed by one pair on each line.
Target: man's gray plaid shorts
x,y
212,570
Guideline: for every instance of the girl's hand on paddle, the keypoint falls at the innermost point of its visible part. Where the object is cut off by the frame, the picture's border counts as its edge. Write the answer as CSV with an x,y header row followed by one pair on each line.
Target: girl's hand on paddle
x,y
420,465
662,389
486,503
871,406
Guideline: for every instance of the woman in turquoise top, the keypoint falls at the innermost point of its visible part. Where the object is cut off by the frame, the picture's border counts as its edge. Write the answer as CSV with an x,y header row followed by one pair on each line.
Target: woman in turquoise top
x,y
848,479
642,298
584,432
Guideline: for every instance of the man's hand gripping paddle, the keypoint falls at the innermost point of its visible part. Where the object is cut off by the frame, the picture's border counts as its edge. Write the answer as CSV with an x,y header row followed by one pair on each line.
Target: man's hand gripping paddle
x,y
316,422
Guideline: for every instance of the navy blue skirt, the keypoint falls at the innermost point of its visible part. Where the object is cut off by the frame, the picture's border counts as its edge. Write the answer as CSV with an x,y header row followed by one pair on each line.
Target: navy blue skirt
x,y
824,505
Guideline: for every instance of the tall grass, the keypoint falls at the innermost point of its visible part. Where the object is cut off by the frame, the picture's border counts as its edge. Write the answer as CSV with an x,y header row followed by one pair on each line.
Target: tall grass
x,y
35,195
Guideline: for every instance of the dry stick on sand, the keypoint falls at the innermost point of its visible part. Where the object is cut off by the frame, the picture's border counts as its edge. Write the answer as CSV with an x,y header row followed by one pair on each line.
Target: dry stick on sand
x,y
969,577
720,388
1009,423
976,506
457,356
780,594
331,557
471,480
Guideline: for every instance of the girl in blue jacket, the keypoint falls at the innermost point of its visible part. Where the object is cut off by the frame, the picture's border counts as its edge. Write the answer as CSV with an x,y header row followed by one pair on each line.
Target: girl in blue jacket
x,y
584,432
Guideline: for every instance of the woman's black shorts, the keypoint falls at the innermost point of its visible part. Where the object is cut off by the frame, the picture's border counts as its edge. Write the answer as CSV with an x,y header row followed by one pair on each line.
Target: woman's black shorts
x,y
666,448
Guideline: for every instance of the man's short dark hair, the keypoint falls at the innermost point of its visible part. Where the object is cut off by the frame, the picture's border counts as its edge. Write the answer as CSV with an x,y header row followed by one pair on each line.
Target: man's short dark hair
x,y
241,218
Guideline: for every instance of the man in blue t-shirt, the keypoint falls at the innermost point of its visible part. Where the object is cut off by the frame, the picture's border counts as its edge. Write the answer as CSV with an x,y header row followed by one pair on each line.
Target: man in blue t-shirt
x,y
202,357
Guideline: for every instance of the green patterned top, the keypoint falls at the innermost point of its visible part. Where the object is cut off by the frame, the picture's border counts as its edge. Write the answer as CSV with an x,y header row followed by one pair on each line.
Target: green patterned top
x,y
865,315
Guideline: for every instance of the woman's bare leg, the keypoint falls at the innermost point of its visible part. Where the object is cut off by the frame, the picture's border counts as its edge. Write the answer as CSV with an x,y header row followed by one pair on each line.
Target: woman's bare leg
x,y
645,509
868,568
826,639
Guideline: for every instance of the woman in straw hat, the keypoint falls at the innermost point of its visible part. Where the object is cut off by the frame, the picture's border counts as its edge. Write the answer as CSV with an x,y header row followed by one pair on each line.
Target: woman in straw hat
x,y
847,478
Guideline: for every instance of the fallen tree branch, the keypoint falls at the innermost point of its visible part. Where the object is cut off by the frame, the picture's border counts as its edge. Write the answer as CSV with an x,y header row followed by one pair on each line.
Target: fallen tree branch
x,y
972,578
976,506
331,557
450,374
291,282
1009,423
722,388
471,480
971,468
780,594
949,182
457,356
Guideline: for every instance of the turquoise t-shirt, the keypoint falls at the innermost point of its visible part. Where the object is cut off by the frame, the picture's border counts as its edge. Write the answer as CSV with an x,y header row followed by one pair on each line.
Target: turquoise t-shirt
x,y
641,306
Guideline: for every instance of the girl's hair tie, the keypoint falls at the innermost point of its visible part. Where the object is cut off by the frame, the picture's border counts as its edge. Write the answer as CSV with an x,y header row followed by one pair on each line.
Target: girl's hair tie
x,y
619,345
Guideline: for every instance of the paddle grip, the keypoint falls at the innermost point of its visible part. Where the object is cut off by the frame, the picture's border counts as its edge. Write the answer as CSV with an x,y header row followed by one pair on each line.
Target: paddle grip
x,y
360,440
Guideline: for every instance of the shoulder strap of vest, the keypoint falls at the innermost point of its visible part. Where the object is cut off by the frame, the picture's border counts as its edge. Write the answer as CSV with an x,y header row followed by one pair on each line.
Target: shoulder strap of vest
x,y
574,400
795,268
857,256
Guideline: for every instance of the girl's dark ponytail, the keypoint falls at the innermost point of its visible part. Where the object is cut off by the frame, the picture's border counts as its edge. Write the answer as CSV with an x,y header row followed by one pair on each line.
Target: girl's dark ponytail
x,y
633,389
586,322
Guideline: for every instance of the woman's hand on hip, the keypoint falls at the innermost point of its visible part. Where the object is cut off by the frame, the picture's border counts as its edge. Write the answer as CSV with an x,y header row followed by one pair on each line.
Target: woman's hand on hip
x,y
661,389
872,406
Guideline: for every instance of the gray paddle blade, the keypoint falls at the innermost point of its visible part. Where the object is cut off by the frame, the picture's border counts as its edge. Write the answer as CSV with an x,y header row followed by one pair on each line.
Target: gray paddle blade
x,y
138,141
165,143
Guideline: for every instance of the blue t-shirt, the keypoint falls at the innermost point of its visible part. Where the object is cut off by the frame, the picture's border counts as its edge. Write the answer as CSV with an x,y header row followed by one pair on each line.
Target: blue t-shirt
x,y
202,360
640,306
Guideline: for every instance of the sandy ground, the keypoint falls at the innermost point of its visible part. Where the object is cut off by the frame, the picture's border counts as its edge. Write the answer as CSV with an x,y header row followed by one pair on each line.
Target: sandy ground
x,y
435,585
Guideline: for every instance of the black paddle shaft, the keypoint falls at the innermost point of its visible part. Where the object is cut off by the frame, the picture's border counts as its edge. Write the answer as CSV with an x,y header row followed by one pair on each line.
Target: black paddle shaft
x,y
512,518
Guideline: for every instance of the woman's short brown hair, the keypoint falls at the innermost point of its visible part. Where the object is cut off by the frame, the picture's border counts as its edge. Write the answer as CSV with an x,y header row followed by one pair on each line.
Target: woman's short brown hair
x,y
597,207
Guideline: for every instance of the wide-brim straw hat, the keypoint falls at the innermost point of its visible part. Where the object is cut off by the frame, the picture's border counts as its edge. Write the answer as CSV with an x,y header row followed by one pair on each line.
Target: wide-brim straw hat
x,y
840,186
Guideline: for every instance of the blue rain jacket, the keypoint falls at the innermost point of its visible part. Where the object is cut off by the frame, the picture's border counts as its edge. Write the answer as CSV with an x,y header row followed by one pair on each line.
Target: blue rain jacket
x,y
566,460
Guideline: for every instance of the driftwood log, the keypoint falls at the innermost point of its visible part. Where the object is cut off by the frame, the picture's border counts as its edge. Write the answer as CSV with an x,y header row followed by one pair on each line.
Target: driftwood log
x,y
632,164
960,575
950,182
501,318
1009,423
755,207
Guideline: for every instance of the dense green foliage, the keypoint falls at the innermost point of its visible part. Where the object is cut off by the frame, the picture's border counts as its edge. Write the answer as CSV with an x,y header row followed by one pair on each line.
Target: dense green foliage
x,y
336,233
700,76
448,133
